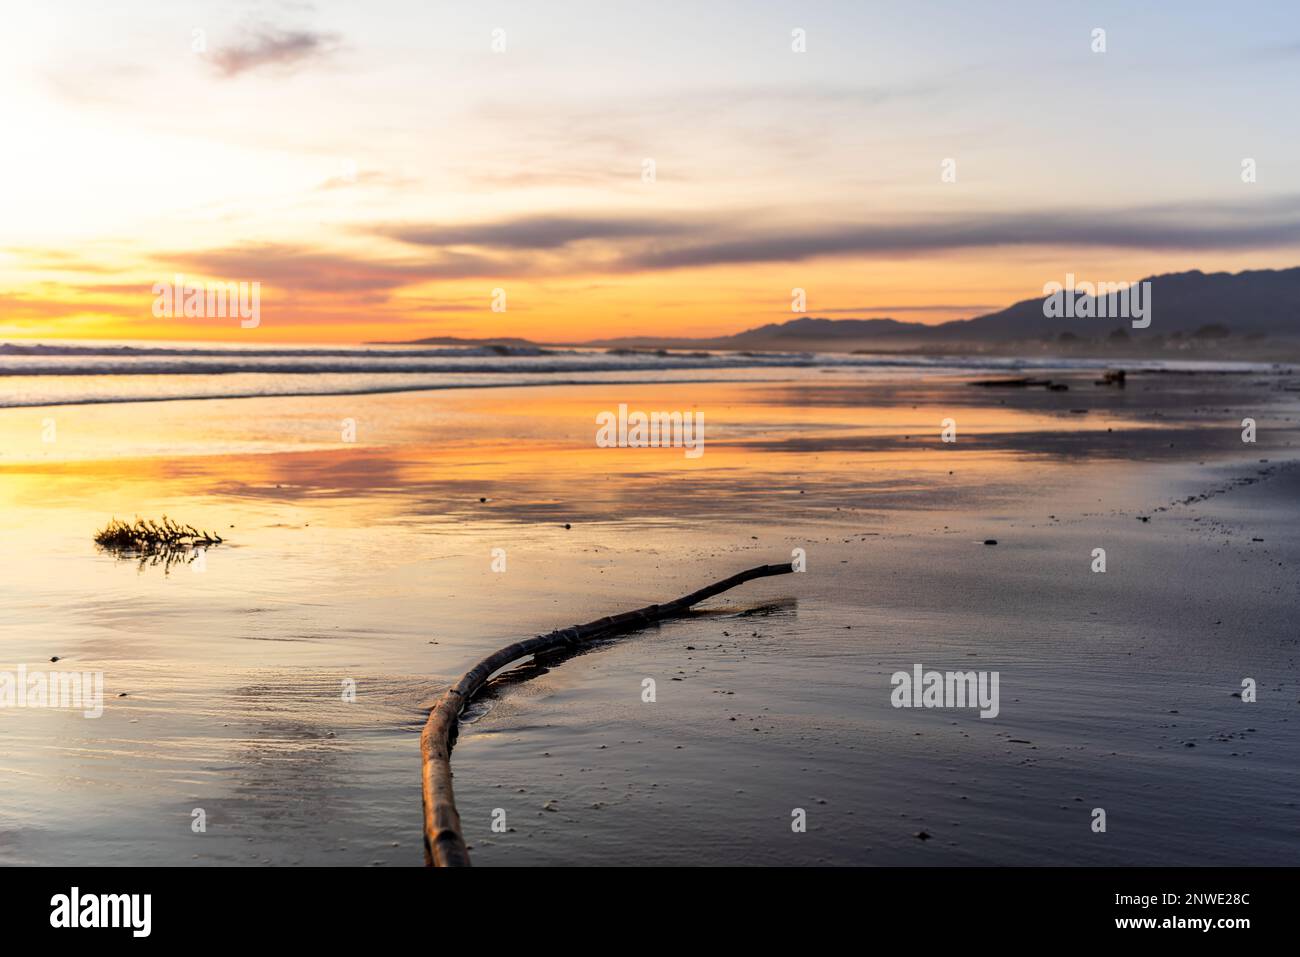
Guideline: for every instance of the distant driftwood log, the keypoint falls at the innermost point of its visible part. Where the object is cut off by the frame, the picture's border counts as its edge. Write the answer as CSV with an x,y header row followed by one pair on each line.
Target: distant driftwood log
x,y
443,844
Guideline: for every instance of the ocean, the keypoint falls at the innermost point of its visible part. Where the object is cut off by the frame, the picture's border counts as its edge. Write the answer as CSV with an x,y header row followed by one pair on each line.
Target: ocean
x,y
61,373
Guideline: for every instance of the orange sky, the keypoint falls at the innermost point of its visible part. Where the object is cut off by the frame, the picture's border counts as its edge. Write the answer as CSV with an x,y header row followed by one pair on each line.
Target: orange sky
x,y
684,303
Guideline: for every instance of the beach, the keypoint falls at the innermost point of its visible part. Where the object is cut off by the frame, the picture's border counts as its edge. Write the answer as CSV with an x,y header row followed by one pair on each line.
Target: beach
x,y
383,541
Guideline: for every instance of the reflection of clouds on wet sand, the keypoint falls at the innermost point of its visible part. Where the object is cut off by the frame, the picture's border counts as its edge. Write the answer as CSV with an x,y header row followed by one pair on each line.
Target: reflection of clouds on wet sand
x,y
373,562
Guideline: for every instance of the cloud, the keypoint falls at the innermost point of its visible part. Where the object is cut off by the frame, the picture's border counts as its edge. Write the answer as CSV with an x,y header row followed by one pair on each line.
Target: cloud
x,y
692,240
535,171
55,260
377,178
536,232
539,246
271,47
308,270
462,307
1191,231
17,306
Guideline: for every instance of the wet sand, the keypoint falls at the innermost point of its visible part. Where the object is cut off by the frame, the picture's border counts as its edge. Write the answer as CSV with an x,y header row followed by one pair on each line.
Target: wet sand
x,y
370,562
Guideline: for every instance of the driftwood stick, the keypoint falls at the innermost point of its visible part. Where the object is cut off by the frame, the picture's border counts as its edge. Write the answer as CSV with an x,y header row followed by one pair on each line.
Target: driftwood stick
x,y
443,844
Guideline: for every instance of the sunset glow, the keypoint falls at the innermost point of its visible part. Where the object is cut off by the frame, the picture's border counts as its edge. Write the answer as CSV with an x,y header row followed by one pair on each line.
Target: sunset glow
x,y
382,172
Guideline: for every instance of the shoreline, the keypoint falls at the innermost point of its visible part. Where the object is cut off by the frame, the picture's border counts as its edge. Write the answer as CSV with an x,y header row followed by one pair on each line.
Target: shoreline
x,y
316,381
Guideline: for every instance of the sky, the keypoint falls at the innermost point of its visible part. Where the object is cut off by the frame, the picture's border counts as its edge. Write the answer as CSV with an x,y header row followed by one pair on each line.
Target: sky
x,y
393,170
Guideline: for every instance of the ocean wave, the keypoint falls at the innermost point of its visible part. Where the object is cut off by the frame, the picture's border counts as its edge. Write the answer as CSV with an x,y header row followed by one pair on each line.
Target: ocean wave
x,y
131,351
43,373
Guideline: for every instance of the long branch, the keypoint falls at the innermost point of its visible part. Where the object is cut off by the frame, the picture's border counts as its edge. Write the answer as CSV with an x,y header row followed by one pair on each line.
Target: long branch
x,y
443,844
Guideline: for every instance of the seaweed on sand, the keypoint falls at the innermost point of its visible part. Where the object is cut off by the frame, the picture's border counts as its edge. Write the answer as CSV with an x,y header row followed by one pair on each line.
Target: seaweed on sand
x,y
163,543
147,536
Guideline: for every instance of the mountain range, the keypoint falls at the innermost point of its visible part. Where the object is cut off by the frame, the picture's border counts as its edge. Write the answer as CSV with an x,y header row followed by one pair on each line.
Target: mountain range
x,y
1245,312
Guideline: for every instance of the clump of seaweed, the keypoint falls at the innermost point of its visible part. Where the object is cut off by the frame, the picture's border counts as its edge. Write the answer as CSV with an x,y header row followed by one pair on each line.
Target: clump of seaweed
x,y
147,537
